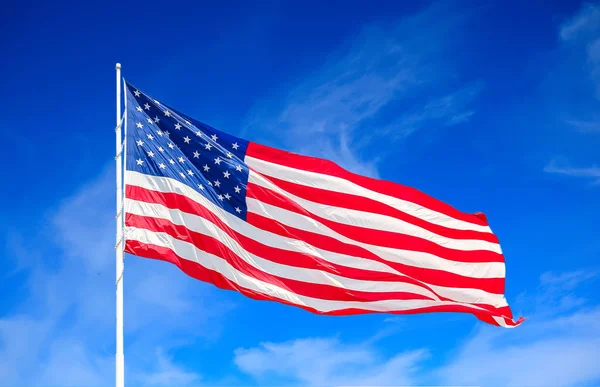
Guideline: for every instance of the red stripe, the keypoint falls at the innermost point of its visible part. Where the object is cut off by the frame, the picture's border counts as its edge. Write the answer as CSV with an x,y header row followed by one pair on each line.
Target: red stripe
x,y
326,167
420,275
214,246
286,257
375,237
217,248
429,276
203,274
365,204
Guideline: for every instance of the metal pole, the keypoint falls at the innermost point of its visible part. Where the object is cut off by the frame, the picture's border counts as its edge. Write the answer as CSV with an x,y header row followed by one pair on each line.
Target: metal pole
x,y
119,358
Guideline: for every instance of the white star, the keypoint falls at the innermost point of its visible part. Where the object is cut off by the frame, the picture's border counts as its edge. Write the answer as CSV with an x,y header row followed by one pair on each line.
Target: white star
x,y
150,137
137,93
235,145
140,161
171,145
217,183
190,172
151,154
218,161
160,148
237,209
139,108
178,126
238,168
139,142
146,106
181,159
226,174
220,197
206,168
214,137
199,133
209,183
162,166
156,102
196,154
156,119
227,196
171,161
201,187
150,121
237,189
229,154
207,146
187,139
182,174
167,133
167,113
139,125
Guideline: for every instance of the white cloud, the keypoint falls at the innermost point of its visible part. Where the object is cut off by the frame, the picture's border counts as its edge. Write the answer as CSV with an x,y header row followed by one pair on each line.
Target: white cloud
x,y
558,352
590,172
71,363
351,101
557,346
587,20
327,361
585,126
568,280
448,110
64,326
166,373
576,82
554,347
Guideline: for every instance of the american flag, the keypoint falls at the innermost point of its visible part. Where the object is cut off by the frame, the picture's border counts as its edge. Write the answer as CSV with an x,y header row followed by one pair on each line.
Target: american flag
x,y
299,230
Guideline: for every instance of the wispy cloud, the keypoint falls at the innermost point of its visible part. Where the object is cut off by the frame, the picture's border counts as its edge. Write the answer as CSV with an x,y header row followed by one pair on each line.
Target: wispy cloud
x,y
166,373
356,97
589,172
579,49
584,22
585,126
328,362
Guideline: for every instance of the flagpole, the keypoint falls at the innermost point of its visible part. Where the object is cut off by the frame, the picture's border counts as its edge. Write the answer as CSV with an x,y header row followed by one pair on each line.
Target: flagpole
x,y
119,357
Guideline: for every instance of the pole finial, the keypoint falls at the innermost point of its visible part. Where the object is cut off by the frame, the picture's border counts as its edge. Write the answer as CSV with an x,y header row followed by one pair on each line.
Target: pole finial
x,y
118,66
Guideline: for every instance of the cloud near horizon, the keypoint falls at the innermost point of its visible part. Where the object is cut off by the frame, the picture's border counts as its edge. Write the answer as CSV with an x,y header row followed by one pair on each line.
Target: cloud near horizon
x,y
554,347
63,331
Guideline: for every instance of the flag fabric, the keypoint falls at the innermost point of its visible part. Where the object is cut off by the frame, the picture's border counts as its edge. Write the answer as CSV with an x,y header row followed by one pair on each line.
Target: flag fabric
x,y
299,230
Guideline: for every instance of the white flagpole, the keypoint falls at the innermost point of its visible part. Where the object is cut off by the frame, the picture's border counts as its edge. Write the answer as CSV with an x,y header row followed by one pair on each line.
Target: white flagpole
x,y
119,357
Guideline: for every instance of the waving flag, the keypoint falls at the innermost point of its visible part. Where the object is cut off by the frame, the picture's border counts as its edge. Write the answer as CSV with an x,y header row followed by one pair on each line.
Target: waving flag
x,y
299,230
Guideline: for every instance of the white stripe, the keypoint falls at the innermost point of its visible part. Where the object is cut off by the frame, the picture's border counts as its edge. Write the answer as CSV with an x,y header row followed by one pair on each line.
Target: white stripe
x,y
412,258
337,184
189,252
163,184
375,221
502,322
203,226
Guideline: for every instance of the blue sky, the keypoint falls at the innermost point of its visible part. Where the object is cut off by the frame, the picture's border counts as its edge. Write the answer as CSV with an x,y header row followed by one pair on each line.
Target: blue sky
x,y
491,108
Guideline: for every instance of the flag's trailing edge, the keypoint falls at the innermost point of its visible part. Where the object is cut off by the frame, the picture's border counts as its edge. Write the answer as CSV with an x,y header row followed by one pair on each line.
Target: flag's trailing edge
x,y
299,230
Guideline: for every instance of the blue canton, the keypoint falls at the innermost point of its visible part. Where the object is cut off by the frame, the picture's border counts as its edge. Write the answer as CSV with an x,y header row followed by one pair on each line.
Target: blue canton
x,y
161,141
